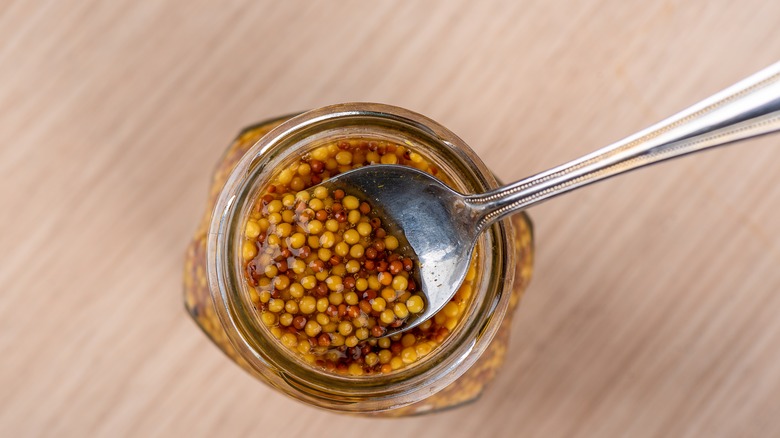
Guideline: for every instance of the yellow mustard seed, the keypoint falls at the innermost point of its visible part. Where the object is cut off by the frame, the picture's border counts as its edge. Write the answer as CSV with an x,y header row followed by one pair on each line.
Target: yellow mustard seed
x,y
298,266
315,227
249,250
291,307
304,169
388,294
465,292
350,202
384,342
276,305
384,356
288,216
364,229
312,328
351,341
252,229
322,319
303,196
307,305
345,328
268,318
322,304
274,206
409,355
297,184
327,239
341,249
265,296
336,339
371,359
352,266
316,204
324,254
373,282
313,241
309,282
297,240
356,251
408,340
415,304
332,225
361,333
272,240
254,296
321,276
422,349
281,282
351,236
361,284
400,283
396,363
320,154
263,223
389,159
450,310
353,217
274,218
270,271
296,290
391,243
285,319
336,298
355,369
400,310
285,176
344,158
361,321
385,278
387,316
339,270
320,192
350,297
288,200
283,230
451,323
378,304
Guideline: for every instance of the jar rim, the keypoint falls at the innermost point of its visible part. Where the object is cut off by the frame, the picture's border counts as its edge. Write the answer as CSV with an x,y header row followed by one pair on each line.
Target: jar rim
x,y
330,390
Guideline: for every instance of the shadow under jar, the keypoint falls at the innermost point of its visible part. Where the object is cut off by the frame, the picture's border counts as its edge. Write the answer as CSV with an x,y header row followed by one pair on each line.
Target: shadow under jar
x,y
463,358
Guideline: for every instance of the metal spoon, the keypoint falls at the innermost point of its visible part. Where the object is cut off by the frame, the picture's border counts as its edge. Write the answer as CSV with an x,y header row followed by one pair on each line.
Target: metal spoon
x,y
442,226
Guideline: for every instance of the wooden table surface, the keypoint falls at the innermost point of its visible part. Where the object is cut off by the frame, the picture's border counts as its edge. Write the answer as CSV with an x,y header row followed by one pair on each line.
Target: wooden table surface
x,y
654,307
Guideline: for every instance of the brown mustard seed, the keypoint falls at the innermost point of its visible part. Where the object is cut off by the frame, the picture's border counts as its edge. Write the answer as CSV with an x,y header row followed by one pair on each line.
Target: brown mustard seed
x,y
317,166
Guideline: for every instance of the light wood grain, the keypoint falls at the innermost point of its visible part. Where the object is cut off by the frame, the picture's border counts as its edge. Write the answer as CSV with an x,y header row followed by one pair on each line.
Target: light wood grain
x,y
653,311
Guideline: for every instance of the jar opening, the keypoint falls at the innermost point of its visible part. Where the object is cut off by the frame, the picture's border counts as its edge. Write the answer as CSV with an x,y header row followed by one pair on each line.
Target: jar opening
x,y
282,368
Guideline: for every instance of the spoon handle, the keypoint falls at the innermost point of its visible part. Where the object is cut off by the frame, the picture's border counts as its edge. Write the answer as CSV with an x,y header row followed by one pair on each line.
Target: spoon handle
x,y
747,109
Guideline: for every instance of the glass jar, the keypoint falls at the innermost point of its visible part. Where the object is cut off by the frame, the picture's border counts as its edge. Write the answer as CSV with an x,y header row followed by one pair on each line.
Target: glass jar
x,y
457,371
